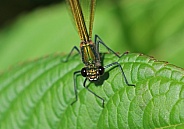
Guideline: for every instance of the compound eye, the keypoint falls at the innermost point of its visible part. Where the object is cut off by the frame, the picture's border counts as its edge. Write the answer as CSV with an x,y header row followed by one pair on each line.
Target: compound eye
x,y
101,70
83,72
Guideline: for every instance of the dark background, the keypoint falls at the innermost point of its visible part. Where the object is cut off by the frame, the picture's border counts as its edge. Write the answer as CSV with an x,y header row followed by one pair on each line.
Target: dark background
x,y
10,9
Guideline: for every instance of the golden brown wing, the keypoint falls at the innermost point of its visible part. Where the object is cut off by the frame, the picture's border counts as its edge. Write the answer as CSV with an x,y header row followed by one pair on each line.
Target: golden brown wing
x,y
83,13
92,13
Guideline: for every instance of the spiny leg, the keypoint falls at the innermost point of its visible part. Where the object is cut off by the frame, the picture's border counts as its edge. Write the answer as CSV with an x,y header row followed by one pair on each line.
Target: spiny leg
x,y
74,48
75,74
99,40
84,84
123,74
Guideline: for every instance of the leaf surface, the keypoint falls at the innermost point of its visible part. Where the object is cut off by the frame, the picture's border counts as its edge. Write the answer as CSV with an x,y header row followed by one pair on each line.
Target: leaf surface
x,y
38,95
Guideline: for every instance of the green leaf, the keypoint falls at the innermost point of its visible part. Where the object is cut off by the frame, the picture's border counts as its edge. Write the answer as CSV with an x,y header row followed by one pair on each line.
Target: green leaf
x,y
38,95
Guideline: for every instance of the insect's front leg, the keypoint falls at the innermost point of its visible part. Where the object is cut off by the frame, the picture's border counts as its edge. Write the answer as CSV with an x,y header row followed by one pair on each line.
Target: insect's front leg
x,y
75,74
74,48
84,84
123,74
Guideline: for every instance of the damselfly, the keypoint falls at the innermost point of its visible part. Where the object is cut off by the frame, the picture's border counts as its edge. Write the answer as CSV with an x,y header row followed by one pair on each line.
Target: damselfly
x,y
89,51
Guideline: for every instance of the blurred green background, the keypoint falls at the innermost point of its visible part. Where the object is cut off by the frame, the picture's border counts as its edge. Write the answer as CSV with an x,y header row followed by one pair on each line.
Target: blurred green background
x,y
31,29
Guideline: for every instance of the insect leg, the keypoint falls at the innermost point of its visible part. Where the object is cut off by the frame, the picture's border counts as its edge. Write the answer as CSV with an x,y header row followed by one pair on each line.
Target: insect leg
x,y
75,74
98,40
123,74
84,84
74,48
